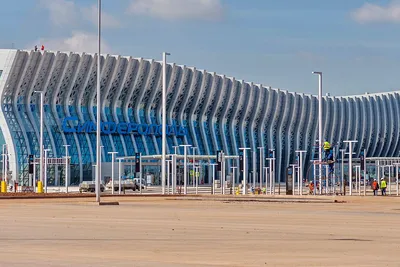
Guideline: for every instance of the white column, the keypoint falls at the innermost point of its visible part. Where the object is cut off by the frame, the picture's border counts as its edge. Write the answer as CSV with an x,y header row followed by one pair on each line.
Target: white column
x,y
66,168
396,171
98,96
119,175
293,178
350,164
141,175
41,133
233,179
164,120
112,169
266,179
244,169
185,168
320,119
301,170
213,178
168,175
342,171
389,182
45,169
193,165
261,165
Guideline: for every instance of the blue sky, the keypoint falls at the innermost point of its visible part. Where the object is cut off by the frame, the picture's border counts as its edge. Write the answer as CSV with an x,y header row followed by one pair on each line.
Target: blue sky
x,y
277,43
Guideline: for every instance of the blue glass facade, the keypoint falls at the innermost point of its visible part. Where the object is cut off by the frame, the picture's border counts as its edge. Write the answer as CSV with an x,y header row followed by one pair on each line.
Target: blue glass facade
x,y
219,113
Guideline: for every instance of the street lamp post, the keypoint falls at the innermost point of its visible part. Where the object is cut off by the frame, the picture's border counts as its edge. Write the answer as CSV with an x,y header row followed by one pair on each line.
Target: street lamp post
x,y
113,153
261,165
244,168
98,140
350,164
185,168
45,169
301,170
164,120
319,120
41,132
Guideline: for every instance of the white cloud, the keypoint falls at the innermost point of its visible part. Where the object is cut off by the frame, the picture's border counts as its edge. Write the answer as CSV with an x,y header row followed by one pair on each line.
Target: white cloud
x,y
369,13
107,20
77,42
178,9
61,12
67,13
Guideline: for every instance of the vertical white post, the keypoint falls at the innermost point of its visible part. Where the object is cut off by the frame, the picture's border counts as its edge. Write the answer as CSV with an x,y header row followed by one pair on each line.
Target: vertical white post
x,y
168,176
244,169
4,161
233,180
342,172
266,179
164,121
359,180
213,178
185,168
197,180
119,177
193,166
41,133
320,120
397,180
112,169
301,170
34,174
365,171
390,174
293,179
350,165
261,165
141,175
254,169
98,140
66,168
270,175
273,171
45,169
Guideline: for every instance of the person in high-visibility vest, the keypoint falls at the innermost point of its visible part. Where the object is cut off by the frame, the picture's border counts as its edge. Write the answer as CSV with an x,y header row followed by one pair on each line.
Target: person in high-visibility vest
x,y
327,148
383,187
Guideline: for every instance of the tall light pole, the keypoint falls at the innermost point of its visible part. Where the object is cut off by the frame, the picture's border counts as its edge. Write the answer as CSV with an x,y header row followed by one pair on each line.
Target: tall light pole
x,y
66,168
261,165
244,168
185,168
164,120
319,120
193,152
113,153
266,169
45,169
41,132
350,164
98,140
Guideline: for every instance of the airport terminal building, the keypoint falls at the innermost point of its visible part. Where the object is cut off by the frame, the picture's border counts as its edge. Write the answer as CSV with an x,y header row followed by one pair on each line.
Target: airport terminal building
x,y
209,111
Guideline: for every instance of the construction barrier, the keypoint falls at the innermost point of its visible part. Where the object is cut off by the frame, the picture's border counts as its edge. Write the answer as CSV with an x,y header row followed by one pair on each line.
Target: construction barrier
x,y
3,187
40,187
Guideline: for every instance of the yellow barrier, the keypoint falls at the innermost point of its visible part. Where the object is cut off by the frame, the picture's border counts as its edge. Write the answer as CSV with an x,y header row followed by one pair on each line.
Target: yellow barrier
x,y
40,187
3,187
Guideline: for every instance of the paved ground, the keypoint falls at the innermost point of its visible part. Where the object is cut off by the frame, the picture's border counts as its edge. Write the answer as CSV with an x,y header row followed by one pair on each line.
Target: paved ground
x,y
157,232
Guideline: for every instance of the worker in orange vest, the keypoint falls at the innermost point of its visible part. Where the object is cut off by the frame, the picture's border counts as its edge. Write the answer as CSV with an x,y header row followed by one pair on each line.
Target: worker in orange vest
x,y
311,187
375,187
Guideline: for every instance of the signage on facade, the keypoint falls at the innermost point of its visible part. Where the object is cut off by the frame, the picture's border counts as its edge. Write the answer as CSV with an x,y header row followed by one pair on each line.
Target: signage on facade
x,y
73,125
